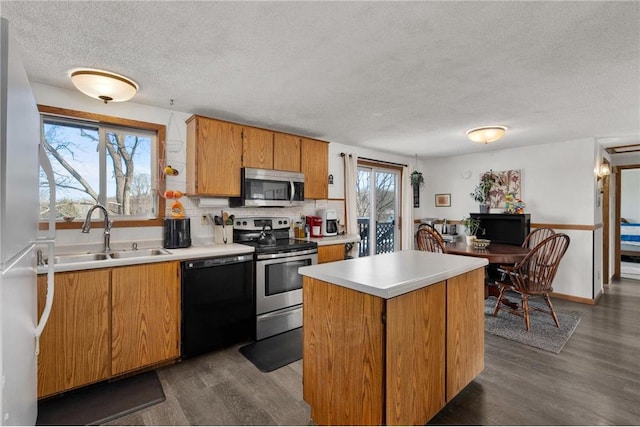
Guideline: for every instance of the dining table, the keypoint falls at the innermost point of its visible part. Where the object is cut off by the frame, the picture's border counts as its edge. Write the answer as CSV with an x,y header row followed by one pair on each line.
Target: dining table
x,y
497,254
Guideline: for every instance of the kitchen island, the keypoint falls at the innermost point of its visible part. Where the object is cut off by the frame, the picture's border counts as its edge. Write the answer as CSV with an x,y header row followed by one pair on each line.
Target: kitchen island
x,y
390,339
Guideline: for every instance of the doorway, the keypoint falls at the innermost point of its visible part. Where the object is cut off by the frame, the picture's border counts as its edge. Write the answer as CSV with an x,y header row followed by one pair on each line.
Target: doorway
x,y
378,207
628,222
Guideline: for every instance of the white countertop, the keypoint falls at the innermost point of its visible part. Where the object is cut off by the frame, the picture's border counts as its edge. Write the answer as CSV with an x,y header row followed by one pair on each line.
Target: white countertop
x,y
333,240
192,252
394,274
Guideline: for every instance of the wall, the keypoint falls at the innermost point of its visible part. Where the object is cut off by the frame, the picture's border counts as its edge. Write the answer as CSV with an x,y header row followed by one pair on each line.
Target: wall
x,y
558,186
202,234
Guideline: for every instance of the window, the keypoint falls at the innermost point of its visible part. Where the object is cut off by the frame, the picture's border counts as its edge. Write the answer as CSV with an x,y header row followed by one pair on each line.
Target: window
x,y
102,161
378,196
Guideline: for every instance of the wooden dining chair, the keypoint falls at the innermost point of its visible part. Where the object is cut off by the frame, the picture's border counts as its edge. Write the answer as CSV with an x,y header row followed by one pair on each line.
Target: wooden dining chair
x,y
428,239
537,236
533,276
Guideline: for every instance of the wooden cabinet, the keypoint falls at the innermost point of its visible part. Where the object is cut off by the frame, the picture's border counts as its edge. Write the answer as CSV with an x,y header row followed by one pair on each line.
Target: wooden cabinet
x,y
257,148
330,253
145,315
217,150
314,164
214,157
75,344
107,322
286,152
406,356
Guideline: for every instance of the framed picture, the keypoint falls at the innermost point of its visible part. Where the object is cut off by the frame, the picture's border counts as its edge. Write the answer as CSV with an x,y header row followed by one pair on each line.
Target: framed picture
x,y
443,200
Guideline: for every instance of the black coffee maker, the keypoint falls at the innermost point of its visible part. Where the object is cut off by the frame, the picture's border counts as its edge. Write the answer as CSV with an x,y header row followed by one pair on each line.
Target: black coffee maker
x,y
177,233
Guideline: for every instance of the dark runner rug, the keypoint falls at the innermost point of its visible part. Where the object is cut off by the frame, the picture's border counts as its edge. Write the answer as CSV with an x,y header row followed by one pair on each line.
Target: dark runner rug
x,y
275,352
100,403
542,334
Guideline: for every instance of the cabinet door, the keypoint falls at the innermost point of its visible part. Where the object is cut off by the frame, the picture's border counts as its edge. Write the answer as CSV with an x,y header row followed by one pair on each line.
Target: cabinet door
x,y
286,152
415,376
257,148
314,161
214,157
465,330
330,253
74,346
145,315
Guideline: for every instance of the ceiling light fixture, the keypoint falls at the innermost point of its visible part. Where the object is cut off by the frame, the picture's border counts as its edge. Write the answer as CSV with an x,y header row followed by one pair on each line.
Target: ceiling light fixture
x,y
104,85
486,134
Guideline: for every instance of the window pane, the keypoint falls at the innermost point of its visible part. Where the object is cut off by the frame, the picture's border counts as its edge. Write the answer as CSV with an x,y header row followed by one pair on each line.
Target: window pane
x,y
129,179
72,151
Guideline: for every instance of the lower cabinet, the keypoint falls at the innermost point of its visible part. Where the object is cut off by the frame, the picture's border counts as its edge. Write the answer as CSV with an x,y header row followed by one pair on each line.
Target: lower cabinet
x,y
330,253
106,322
145,315
75,344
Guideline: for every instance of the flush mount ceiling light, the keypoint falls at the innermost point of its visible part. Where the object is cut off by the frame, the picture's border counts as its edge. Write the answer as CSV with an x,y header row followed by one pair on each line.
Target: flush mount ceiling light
x,y
486,134
104,85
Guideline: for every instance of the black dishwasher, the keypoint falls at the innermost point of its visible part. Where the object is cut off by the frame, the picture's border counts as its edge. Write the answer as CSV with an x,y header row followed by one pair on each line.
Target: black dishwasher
x,y
217,303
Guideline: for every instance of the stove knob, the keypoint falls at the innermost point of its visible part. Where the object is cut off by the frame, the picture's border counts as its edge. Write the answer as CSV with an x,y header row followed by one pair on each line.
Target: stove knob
x,y
244,222
280,222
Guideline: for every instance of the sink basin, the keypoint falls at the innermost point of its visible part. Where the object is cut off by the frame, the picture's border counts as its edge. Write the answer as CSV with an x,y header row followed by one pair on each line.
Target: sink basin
x,y
139,253
66,259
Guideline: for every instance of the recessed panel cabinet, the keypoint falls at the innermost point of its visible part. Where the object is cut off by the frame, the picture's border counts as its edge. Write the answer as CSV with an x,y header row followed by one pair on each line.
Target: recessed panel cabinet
x,y
330,253
106,322
286,152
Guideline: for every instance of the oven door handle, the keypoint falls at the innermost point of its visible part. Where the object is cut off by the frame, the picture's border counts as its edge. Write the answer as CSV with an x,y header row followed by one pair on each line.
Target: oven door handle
x,y
311,254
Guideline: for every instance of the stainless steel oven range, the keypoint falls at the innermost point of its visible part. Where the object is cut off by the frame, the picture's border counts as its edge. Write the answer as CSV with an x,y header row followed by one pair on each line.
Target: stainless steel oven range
x,y
278,293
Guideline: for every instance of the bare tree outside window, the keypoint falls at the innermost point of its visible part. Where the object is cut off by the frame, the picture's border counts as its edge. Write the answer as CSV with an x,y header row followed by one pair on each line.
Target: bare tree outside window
x,y
87,158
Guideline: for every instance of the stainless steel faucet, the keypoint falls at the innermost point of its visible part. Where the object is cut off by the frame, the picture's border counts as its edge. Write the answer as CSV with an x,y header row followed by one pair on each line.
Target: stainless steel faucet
x,y
107,225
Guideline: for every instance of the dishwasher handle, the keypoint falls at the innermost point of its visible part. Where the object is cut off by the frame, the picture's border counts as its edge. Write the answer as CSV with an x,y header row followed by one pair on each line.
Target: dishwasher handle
x,y
213,262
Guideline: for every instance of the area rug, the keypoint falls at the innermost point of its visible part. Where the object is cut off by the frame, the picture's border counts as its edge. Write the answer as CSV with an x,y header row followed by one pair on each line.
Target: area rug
x,y
275,352
542,334
100,403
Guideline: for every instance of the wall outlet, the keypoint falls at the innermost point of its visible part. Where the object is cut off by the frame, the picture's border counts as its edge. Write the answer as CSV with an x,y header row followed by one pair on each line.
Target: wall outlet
x,y
204,220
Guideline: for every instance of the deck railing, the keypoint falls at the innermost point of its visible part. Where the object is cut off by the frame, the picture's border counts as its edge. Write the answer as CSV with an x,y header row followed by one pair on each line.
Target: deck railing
x,y
385,237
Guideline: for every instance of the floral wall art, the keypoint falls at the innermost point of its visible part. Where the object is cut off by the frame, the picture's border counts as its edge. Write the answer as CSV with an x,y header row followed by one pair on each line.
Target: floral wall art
x,y
506,183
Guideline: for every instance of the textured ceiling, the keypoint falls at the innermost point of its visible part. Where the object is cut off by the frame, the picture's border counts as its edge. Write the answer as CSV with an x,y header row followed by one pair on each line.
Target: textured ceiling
x,y
407,78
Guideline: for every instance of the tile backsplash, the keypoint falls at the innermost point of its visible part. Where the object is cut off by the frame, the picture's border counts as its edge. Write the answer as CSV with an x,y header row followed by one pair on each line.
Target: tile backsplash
x,y
201,234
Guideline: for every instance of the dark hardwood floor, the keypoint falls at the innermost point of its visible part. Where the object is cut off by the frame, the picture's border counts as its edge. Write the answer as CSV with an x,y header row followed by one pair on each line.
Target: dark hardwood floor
x,y
595,380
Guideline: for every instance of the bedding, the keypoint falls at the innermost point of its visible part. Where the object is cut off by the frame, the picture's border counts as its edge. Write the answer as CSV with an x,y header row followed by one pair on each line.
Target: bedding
x,y
630,239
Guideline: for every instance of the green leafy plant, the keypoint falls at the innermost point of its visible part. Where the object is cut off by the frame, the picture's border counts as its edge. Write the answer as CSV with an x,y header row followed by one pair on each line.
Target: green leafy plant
x,y
481,193
471,226
416,179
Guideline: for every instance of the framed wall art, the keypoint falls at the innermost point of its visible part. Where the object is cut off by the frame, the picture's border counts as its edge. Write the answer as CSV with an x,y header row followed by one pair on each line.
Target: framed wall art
x,y
443,200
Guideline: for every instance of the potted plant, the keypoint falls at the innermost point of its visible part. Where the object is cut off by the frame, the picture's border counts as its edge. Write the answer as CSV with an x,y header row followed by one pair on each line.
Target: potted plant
x,y
482,192
416,182
471,228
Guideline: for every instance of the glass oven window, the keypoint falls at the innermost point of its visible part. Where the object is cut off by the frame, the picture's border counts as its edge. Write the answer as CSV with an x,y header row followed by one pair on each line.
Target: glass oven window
x,y
284,277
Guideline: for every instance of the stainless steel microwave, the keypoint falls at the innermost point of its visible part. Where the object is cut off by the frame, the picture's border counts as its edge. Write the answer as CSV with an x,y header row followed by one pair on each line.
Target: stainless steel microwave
x,y
264,187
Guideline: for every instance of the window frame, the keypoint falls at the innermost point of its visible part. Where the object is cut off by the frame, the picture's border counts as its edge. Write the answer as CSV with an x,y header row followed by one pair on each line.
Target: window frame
x,y
105,120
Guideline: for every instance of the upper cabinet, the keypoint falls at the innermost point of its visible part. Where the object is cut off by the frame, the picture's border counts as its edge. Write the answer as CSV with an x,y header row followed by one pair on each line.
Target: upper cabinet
x,y
257,148
314,164
286,152
214,157
217,151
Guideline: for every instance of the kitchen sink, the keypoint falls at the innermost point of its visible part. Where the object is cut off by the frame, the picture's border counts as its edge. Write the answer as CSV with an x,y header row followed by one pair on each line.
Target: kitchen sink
x,y
139,253
67,259
101,256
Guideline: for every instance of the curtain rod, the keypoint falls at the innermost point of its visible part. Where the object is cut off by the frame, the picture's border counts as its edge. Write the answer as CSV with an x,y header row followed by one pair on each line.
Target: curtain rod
x,y
377,161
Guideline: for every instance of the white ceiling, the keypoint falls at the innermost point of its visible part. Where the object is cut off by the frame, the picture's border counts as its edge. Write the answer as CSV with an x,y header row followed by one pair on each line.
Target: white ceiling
x,y
402,77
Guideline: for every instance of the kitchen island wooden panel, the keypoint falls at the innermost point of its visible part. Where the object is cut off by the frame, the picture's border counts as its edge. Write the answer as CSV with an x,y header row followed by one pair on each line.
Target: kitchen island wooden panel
x,y
390,339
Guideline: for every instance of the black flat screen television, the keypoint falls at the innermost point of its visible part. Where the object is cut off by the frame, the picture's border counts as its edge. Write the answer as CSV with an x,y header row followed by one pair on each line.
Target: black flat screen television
x,y
508,229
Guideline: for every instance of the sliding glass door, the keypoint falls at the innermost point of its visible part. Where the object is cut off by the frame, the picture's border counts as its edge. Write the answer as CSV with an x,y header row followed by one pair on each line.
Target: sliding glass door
x,y
378,208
